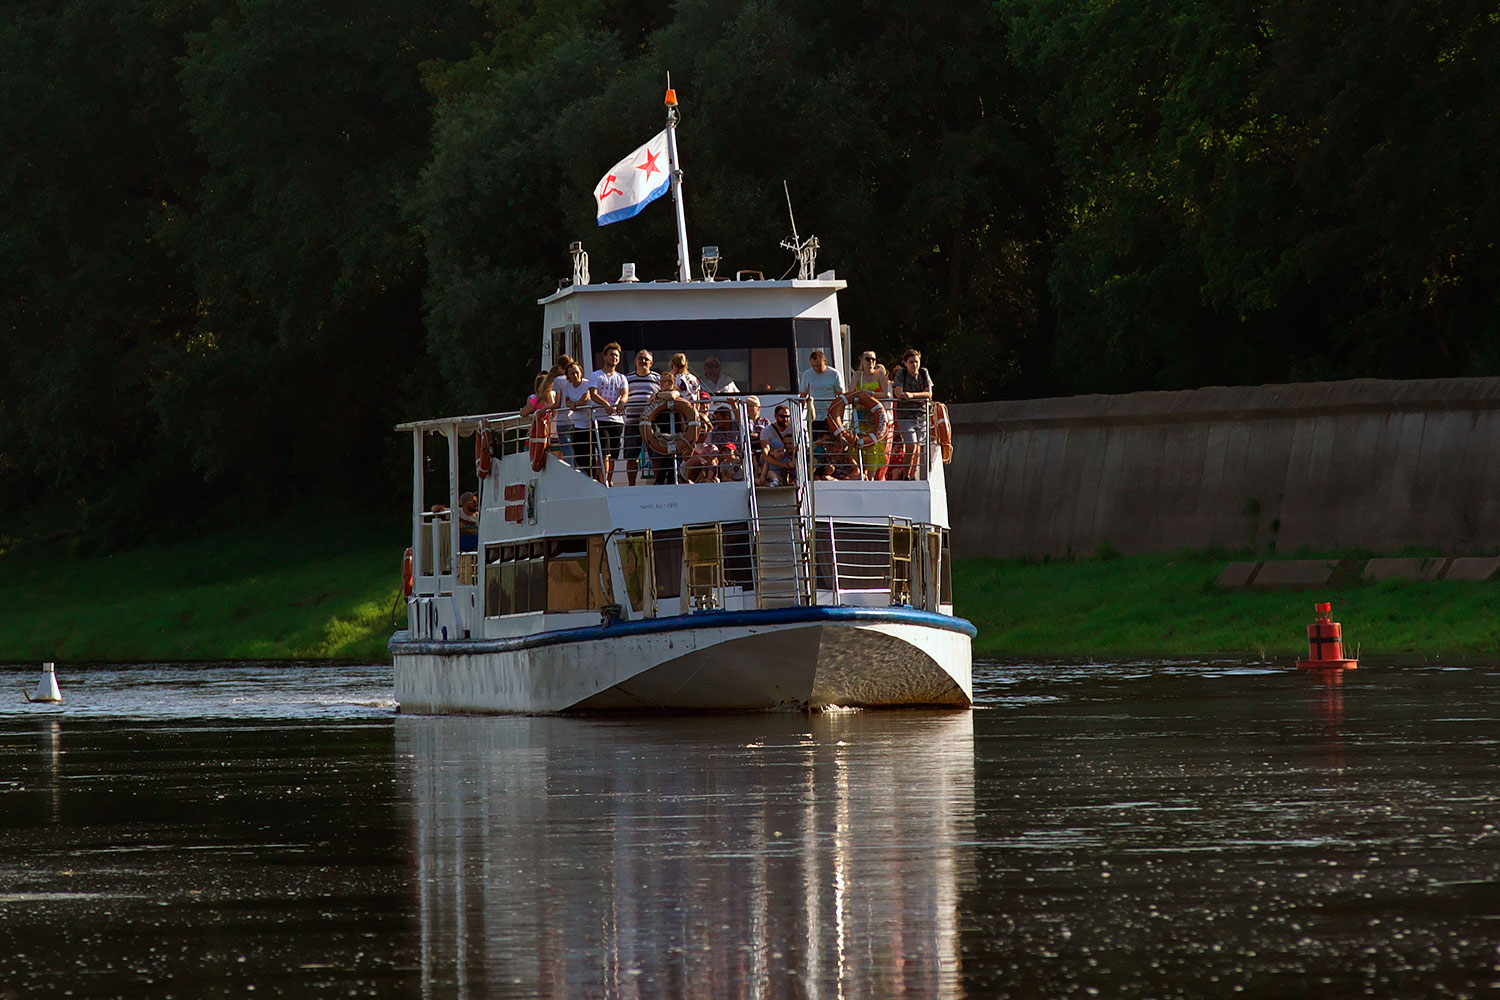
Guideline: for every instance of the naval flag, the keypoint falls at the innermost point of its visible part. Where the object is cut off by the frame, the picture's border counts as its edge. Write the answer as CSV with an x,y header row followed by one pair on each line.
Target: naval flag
x,y
634,182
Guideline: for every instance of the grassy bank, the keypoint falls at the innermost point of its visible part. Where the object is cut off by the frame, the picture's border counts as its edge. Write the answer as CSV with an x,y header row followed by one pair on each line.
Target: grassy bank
x,y
311,586
314,586
1168,604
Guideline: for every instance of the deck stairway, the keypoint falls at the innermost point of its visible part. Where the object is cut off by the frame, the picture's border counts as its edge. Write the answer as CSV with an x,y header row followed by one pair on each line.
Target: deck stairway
x,y
782,549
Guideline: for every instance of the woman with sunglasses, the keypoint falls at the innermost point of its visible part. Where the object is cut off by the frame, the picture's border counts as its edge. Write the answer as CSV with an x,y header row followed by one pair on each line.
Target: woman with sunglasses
x,y
871,378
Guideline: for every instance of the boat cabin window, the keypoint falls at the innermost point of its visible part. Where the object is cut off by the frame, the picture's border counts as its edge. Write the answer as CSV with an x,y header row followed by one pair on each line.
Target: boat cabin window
x,y
564,340
558,574
633,567
515,579
754,353
575,574
666,558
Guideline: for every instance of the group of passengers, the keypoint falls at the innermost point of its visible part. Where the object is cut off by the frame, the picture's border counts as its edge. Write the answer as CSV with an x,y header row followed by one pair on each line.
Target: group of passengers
x,y
870,445
608,407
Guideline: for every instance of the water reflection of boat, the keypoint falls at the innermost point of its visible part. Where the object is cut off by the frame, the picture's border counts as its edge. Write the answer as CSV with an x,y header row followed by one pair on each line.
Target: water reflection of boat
x,y
769,855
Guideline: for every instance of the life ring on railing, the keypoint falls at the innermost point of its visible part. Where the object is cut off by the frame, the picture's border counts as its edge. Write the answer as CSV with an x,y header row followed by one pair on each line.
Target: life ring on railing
x,y
541,430
681,441
482,455
865,400
942,432
407,580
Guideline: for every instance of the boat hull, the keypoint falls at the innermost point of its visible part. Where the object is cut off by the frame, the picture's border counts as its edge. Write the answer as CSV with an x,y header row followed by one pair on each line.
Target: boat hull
x,y
800,658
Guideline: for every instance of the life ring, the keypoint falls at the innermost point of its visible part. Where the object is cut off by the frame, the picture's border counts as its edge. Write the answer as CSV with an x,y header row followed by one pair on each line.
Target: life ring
x,y
865,400
681,441
482,455
407,580
942,432
540,432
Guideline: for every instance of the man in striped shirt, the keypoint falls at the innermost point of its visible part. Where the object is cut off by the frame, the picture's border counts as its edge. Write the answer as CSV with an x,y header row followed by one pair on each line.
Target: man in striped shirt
x,y
644,384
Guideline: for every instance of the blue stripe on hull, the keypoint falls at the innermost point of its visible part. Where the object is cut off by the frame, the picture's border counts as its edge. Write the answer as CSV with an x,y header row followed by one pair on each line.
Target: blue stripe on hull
x,y
699,620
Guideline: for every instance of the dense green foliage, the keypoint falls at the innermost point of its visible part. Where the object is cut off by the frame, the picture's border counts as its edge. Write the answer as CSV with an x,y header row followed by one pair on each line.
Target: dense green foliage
x,y
304,586
241,238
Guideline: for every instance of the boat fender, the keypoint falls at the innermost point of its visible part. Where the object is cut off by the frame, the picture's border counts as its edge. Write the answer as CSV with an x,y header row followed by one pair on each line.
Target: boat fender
x,y
482,455
407,580
942,431
540,431
865,400
664,442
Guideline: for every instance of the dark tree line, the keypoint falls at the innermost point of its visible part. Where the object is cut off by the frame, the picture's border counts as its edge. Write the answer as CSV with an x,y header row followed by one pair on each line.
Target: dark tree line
x,y
242,238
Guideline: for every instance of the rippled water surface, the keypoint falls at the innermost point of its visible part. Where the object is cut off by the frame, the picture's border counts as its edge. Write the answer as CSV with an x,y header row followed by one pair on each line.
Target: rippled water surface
x,y
1140,829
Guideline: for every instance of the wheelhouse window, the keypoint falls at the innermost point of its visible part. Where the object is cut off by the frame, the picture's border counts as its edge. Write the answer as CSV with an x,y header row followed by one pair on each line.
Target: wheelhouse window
x,y
754,353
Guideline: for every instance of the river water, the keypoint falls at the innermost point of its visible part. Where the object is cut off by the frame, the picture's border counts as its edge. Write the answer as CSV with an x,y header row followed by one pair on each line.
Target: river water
x,y
1143,829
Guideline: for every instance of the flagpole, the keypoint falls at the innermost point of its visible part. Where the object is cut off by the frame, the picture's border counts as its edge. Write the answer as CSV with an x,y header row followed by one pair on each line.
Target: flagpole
x,y
684,269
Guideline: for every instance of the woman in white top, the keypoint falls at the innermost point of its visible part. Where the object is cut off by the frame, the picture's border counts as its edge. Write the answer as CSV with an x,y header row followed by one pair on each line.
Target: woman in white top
x,y
579,397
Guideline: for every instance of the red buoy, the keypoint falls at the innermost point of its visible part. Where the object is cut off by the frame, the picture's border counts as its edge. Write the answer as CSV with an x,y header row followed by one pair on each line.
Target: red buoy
x,y
1325,643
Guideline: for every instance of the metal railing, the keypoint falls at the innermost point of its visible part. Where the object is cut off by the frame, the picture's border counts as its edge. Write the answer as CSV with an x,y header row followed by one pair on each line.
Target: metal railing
x,y
847,456
728,565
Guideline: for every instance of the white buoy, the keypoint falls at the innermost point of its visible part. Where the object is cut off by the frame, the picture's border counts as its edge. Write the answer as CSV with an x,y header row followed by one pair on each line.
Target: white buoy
x,y
46,688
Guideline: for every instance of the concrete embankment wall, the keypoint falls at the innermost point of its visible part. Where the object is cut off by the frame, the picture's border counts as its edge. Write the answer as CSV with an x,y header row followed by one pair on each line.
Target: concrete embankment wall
x,y
1370,463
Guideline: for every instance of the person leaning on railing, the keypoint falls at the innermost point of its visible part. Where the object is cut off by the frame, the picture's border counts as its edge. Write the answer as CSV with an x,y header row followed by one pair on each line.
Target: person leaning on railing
x,y
643,383
580,398
912,386
781,456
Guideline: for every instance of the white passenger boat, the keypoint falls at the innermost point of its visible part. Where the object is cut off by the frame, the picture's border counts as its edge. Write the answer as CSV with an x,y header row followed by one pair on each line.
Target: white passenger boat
x,y
575,594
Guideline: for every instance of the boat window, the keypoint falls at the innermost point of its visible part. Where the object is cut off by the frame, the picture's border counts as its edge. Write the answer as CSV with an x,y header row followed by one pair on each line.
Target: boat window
x,y
601,587
752,352
666,558
514,579
739,554
564,340
813,335
575,577
632,549
567,574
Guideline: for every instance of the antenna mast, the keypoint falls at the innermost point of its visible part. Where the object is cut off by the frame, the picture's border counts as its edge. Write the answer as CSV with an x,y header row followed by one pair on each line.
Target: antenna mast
x,y
807,252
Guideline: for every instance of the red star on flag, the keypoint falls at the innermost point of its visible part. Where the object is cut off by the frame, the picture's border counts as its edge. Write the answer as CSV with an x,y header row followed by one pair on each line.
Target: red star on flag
x,y
650,165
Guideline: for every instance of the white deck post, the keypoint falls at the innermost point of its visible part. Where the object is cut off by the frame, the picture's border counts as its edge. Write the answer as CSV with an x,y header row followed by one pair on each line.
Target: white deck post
x,y
418,542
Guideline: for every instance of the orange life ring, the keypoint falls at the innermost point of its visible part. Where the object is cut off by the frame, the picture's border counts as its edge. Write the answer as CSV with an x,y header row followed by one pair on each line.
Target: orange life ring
x,y
681,441
540,432
407,580
482,455
942,432
865,400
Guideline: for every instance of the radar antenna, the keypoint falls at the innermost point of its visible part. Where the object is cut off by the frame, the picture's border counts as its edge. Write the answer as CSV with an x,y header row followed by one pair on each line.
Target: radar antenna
x,y
806,250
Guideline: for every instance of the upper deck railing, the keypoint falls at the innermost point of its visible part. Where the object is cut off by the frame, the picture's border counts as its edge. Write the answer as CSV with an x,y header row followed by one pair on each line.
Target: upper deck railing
x,y
684,442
